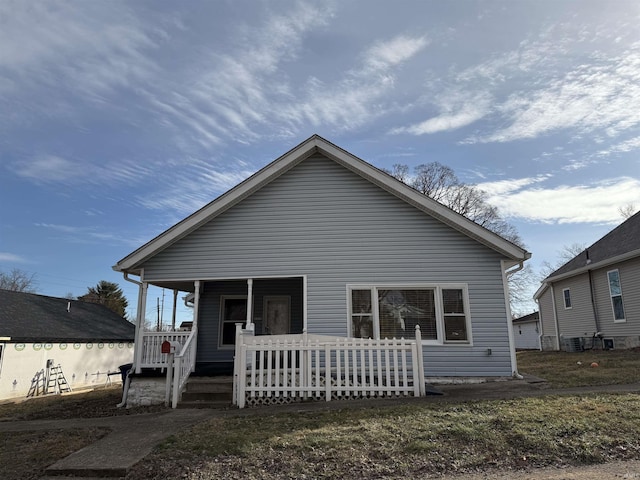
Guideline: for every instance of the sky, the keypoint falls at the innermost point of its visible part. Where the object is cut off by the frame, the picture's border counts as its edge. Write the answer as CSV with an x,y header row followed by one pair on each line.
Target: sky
x,y
119,119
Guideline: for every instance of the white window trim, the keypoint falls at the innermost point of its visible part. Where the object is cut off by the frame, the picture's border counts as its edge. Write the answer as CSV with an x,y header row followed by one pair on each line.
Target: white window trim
x,y
221,323
613,310
437,287
564,299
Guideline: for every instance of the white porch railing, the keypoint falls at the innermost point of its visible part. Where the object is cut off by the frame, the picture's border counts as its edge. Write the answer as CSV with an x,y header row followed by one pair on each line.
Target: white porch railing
x,y
277,369
184,364
151,347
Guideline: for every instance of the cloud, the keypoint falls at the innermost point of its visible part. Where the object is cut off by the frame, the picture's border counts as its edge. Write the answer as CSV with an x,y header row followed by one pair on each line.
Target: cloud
x,y
47,168
88,50
91,234
384,55
187,194
444,122
12,258
502,187
54,169
588,203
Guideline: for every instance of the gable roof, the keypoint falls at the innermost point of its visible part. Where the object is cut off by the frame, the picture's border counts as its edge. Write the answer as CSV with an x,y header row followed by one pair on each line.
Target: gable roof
x,y
621,243
27,317
313,145
624,240
532,317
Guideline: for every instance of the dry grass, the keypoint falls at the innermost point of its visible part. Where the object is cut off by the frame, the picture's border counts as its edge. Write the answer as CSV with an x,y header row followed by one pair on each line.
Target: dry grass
x,y
25,455
405,441
563,369
391,442
89,404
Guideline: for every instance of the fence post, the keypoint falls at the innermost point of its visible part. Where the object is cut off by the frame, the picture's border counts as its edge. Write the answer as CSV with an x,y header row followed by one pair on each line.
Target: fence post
x,y
236,363
420,363
177,368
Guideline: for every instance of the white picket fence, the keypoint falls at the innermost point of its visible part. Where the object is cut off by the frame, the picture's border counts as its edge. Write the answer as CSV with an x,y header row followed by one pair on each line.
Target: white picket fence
x,y
275,369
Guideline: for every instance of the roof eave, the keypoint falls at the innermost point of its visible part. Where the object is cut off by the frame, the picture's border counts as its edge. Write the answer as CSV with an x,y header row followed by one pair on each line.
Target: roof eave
x,y
578,271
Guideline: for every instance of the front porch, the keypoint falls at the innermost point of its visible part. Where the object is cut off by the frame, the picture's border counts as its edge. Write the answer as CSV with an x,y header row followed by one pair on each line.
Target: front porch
x,y
255,330
279,369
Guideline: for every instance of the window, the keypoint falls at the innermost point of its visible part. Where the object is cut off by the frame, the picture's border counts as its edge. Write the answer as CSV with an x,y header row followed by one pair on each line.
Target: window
x,y
232,310
394,312
615,290
566,294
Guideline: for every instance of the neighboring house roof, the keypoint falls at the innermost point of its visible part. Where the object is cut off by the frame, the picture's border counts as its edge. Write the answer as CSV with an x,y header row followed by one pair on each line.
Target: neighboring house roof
x,y
27,317
532,317
621,243
316,144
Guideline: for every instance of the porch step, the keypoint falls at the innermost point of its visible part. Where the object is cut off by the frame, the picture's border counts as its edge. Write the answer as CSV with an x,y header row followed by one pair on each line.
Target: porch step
x,y
207,392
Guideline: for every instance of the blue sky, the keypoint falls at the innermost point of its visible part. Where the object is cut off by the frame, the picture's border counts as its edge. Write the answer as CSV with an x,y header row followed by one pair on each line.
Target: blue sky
x,y
118,119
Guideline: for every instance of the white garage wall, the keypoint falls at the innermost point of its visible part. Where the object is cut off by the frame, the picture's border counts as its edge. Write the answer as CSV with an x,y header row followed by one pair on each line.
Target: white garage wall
x,y
84,365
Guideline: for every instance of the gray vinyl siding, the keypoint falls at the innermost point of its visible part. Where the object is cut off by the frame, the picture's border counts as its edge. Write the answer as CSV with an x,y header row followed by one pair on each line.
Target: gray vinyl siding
x,y
325,222
209,325
578,321
547,321
630,283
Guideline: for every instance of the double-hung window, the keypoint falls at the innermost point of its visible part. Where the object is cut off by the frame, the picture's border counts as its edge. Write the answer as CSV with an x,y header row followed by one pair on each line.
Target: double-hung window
x,y
566,294
384,311
615,290
233,309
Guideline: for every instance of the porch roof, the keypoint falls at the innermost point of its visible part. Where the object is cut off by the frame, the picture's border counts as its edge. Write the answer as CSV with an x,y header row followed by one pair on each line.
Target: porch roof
x,y
316,144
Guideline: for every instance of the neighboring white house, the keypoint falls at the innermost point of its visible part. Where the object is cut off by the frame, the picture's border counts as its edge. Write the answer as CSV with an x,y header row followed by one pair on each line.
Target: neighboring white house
x,y
526,332
86,340
321,242
593,301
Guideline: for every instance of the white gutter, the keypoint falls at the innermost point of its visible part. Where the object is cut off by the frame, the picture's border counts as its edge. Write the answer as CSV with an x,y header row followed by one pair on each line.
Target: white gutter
x,y
127,382
512,340
555,317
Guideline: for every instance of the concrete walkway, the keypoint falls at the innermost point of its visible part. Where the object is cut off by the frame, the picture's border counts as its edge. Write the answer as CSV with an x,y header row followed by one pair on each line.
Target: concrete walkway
x,y
132,437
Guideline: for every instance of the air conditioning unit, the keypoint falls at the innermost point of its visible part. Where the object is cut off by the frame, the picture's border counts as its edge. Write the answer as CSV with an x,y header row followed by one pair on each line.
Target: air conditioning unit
x,y
573,344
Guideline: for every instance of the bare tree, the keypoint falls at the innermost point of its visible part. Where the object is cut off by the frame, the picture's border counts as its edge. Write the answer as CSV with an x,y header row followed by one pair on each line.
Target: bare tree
x,y
565,254
18,281
627,211
440,182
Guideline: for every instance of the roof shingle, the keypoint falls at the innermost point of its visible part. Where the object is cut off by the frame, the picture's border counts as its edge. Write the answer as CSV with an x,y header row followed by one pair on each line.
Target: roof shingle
x,y
27,317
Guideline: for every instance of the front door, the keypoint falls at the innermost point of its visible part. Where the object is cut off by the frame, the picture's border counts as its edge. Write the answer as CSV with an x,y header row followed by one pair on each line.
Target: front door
x,y
277,313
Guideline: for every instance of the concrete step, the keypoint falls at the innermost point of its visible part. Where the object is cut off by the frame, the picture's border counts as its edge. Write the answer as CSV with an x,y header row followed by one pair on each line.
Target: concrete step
x,y
219,405
207,392
207,396
210,384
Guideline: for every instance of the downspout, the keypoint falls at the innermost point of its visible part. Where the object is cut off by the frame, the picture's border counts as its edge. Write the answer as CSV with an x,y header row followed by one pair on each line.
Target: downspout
x,y
127,381
593,297
512,343
555,315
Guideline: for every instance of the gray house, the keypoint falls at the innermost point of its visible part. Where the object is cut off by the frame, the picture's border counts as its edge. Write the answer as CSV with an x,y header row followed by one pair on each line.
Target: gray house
x,y
320,241
593,301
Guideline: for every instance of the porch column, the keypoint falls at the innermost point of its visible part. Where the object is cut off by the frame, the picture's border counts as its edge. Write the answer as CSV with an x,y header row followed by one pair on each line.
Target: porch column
x,y
173,313
139,341
196,304
250,325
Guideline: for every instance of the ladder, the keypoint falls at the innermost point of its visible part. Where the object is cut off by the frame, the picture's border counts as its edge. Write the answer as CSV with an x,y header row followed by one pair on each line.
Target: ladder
x,y
56,382
37,384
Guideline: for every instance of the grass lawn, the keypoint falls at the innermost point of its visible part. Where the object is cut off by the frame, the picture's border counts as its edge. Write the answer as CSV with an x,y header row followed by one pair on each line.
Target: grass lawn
x,y
403,441
563,369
